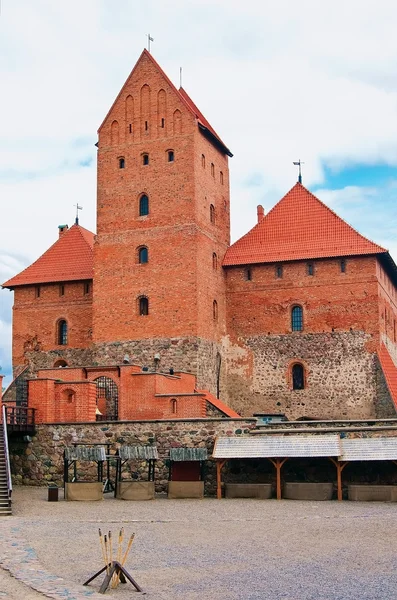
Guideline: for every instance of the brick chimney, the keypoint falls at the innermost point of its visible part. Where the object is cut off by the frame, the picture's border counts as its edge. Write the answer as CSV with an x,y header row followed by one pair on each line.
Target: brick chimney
x,y
260,213
62,229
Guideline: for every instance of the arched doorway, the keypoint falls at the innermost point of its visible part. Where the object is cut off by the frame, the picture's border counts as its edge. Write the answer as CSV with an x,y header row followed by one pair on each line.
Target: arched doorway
x,y
107,399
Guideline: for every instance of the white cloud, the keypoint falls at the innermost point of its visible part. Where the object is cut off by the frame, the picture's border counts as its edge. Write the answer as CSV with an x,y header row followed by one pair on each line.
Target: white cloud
x,y
278,80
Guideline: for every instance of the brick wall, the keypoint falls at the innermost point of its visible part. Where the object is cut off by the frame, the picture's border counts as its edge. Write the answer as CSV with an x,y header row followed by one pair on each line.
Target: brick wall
x,y
62,395
337,345
182,279
35,320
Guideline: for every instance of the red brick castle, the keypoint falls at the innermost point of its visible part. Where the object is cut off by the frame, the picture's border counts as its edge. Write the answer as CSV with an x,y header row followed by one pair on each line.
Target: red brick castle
x,y
298,317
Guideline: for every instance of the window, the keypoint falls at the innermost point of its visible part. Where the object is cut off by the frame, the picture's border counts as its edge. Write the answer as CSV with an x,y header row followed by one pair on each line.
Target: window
x,y
62,333
130,128
248,274
170,156
61,290
174,406
279,272
145,159
121,163
298,377
86,288
60,364
143,255
297,318
162,122
221,177
214,261
203,161
212,170
37,291
143,205
212,213
143,306
310,268
215,310
343,266
146,126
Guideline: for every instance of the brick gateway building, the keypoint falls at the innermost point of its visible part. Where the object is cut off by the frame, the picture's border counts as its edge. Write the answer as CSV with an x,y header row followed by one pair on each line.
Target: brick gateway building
x,y
297,317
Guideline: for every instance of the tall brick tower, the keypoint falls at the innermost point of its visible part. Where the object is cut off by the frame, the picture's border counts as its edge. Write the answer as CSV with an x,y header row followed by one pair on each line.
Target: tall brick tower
x,y
163,226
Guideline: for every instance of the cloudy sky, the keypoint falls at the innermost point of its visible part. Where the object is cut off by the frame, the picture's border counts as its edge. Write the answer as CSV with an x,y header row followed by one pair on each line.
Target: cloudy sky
x,y
278,79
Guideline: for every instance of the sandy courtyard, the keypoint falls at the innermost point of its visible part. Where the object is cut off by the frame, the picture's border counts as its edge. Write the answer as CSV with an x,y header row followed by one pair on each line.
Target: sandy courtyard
x,y
212,550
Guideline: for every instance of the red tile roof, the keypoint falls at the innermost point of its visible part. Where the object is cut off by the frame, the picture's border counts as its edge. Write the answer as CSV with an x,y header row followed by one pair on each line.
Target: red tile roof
x,y
69,259
229,412
187,101
299,227
389,371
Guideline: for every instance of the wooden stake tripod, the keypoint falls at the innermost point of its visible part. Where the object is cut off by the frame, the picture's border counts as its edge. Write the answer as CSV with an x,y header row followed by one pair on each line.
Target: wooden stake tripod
x,y
114,568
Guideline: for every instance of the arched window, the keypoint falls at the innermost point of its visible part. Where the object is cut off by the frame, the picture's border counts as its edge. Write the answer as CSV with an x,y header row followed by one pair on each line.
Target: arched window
x,y
310,268
143,255
143,306
145,159
174,406
69,396
298,376
121,163
215,310
212,169
62,333
214,260
343,265
60,363
212,213
297,318
203,161
143,205
279,271
170,155
221,177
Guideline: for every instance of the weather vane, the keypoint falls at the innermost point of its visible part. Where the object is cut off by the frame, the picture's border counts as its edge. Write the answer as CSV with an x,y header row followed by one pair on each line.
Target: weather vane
x,y
149,39
299,163
78,207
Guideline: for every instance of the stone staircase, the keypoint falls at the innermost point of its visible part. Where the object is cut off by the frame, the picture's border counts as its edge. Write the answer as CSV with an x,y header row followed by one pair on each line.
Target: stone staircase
x,y
5,499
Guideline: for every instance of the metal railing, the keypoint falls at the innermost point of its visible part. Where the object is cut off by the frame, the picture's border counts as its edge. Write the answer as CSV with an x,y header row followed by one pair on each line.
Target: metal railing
x,y
19,418
7,454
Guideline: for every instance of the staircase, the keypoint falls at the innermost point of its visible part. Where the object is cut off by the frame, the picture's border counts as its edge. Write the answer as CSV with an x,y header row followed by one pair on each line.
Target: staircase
x,y
5,478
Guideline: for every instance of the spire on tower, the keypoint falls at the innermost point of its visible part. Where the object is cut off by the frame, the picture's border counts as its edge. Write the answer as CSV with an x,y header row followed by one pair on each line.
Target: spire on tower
x,y
149,39
299,163
78,207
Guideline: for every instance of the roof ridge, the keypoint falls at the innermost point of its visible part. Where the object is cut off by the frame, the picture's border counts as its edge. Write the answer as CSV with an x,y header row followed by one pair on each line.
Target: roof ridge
x,y
300,226
78,266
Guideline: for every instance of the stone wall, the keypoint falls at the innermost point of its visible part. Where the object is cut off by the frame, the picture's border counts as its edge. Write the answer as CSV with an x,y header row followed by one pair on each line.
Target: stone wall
x,y
340,375
41,460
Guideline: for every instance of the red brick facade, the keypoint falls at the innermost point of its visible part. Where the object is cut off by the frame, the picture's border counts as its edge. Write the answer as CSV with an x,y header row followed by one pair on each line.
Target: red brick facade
x,y
88,394
169,291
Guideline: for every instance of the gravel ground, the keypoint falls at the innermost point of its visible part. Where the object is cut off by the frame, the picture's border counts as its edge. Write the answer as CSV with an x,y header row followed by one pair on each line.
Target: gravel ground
x,y
229,549
11,589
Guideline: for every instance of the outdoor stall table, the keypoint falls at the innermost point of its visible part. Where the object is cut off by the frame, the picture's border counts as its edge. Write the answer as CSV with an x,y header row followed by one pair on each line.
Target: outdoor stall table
x,y
367,449
83,490
277,449
135,489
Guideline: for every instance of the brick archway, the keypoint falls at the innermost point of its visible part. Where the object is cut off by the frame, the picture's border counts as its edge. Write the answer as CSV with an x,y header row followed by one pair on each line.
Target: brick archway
x,y
107,398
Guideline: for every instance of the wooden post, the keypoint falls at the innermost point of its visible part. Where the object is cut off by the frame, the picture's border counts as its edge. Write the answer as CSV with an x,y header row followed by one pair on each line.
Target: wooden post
x,y
339,468
219,467
278,463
